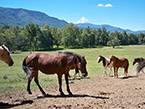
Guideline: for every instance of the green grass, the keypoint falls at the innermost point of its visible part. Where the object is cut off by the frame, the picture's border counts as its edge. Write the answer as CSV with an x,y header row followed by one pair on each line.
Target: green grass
x,y
9,79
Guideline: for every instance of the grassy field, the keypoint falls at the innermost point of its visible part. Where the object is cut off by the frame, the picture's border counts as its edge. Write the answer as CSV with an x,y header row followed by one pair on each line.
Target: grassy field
x,y
9,79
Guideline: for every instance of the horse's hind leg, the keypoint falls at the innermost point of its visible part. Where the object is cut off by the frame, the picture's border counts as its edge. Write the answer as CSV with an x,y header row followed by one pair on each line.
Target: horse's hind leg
x,y
126,71
37,82
67,84
29,82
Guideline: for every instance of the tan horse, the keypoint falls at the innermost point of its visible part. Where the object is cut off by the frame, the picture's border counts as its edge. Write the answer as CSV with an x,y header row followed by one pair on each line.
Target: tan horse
x,y
119,62
58,63
5,55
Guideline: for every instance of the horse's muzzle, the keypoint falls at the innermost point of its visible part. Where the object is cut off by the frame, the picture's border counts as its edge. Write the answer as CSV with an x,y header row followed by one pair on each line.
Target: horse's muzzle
x,y
11,63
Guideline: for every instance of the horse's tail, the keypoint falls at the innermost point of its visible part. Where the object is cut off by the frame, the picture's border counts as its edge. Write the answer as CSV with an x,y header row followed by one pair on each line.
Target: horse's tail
x,y
25,67
140,66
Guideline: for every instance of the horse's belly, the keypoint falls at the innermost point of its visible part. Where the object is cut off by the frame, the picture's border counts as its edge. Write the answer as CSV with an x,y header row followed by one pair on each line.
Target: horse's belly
x,y
50,70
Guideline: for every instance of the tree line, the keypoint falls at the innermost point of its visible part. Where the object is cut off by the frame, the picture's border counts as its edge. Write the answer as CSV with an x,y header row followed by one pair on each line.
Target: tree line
x,y
32,37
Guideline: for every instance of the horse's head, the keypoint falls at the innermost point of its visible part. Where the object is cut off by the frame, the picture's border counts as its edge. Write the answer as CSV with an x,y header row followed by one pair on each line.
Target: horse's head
x,y
136,60
5,55
99,58
82,65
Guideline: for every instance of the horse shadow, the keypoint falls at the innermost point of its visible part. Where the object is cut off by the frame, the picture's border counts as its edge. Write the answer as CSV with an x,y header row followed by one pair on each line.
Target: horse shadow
x,y
7,105
71,96
127,77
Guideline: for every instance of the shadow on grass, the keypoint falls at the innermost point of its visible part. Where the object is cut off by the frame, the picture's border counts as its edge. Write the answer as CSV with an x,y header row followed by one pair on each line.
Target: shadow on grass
x,y
7,105
71,96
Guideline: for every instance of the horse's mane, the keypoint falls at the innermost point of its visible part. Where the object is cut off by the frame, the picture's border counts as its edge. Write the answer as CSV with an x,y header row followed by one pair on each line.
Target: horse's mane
x,y
103,57
114,56
71,53
3,46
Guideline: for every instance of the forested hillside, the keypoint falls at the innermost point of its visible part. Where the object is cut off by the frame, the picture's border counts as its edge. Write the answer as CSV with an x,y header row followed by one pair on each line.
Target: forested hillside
x,y
21,17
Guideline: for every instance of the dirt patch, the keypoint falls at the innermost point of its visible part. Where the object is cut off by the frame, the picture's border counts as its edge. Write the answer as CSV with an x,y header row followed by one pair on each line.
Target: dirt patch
x,y
96,92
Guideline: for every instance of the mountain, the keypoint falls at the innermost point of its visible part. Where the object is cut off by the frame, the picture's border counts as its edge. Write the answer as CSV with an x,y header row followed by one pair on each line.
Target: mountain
x,y
108,28
21,17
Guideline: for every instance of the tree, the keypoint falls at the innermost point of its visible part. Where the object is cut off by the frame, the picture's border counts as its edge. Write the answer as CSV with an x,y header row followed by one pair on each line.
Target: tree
x,y
32,34
70,34
46,38
113,40
124,40
57,35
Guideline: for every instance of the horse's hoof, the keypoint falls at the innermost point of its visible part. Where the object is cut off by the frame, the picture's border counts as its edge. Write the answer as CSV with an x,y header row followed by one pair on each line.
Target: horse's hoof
x,y
44,94
62,94
30,93
70,93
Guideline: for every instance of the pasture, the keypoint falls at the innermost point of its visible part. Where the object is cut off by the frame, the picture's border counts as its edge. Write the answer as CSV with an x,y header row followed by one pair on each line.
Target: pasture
x,y
95,92
11,77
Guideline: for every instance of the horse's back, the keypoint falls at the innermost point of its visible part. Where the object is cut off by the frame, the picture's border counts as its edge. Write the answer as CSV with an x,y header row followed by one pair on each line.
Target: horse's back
x,y
124,62
49,63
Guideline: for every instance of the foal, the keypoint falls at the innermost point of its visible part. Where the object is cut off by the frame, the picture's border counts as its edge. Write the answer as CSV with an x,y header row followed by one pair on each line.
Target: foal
x,y
119,62
106,64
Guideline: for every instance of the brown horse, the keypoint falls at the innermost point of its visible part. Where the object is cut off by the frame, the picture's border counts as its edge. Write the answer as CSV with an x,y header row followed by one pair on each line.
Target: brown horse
x,y
139,61
58,63
119,62
5,55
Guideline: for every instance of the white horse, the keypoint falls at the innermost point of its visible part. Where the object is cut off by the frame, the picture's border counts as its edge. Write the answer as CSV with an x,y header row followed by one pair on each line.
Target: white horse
x,y
106,64
5,55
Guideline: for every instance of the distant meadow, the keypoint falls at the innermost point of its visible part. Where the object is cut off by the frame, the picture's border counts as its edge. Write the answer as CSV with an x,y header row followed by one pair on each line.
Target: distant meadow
x,y
13,78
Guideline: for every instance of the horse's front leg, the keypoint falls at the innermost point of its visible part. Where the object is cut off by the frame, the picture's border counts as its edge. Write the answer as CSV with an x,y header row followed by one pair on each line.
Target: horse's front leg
x,y
115,72
76,72
60,84
110,71
67,84
104,72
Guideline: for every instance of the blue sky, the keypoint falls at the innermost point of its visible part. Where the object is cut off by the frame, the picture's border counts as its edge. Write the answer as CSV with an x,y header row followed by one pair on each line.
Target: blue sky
x,y
126,14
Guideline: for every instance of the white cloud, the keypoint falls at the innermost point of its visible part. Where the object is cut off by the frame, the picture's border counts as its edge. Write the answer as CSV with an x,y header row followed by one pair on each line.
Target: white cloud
x,y
107,5
100,5
82,20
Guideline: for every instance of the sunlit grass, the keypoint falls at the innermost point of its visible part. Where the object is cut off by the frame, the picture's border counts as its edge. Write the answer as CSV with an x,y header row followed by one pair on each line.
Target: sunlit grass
x,y
10,76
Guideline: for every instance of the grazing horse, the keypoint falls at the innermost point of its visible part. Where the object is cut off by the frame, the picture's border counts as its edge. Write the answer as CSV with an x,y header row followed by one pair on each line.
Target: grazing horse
x,y
58,63
106,64
119,62
5,55
75,66
139,61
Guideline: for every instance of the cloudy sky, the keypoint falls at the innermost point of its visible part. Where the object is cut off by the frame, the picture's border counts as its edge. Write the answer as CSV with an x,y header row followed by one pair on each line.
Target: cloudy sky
x,y
127,14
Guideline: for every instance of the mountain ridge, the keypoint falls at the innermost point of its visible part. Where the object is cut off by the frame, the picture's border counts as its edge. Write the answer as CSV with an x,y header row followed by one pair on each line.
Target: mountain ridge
x,y
108,28
21,17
